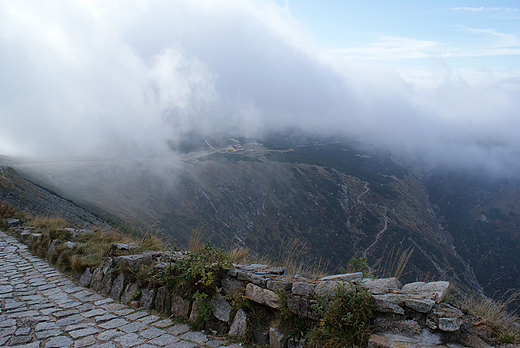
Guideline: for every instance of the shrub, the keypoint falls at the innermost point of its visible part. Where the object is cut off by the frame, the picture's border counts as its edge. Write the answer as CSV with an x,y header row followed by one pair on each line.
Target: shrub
x,y
344,318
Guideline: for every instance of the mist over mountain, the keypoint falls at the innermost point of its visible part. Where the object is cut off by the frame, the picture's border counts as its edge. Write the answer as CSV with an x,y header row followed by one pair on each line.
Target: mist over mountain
x,y
128,78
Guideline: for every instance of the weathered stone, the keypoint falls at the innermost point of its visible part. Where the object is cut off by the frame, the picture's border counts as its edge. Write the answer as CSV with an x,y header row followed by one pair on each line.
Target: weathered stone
x,y
381,286
180,307
449,324
251,277
129,293
147,297
69,244
195,308
433,291
239,324
422,305
221,308
117,287
86,277
276,338
349,277
302,306
162,299
389,303
97,277
304,289
262,296
377,341
233,286
277,285
13,222
327,288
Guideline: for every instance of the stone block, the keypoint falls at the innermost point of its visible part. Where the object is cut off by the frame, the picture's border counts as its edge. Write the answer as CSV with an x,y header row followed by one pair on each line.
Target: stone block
x,y
381,286
117,287
129,293
327,288
262,296
233,286
162,299
348,277
221,308
433,290
147,297
377,341
86,277
421,305
389,303
302,306
278,285
304,289
180,306
276,338
239,324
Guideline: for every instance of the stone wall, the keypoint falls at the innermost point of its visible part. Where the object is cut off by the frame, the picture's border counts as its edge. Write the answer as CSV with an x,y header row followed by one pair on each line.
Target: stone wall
x,y
413,311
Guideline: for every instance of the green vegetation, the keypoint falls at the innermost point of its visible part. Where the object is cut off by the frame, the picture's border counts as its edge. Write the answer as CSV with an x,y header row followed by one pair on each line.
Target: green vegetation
x,y
344,319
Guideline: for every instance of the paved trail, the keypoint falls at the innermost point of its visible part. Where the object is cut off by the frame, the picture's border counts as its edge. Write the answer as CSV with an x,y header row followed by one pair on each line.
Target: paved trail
x,y
40,307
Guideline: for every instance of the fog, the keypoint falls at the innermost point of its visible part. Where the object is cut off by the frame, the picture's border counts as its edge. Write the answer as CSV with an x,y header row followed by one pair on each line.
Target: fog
x,y
124,78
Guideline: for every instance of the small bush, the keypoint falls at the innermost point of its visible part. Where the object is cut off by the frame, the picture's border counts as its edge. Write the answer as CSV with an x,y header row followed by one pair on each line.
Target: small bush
x,y
344,319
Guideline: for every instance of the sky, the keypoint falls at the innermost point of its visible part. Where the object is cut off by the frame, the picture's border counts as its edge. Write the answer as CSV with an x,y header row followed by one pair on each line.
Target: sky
x,y
433,80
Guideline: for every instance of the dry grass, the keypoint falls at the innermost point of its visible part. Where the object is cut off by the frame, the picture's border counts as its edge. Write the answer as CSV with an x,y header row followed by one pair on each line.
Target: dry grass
x,y
292,255
393,263
48,223
503,322
238,254
198,237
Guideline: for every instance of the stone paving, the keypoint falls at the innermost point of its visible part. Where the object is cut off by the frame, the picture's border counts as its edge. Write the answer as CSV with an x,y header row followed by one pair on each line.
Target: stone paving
x,y
40,307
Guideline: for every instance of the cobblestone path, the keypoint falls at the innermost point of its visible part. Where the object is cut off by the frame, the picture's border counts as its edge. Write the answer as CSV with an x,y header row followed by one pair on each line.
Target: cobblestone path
x,y
40,307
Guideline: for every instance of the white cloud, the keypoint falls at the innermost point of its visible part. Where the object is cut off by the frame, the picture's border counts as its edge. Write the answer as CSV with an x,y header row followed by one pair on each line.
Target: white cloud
x,y
124,77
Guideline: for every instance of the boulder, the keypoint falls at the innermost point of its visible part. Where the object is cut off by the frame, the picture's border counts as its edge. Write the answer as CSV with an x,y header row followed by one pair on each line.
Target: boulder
x,y
421,305
262,296
162,299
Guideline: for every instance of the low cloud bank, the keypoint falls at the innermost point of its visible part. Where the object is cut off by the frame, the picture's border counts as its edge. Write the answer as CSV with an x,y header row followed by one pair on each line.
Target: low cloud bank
x,y
124,78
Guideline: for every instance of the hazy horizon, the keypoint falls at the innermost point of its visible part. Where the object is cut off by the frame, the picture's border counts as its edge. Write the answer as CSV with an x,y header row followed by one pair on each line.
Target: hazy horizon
x,y
433,81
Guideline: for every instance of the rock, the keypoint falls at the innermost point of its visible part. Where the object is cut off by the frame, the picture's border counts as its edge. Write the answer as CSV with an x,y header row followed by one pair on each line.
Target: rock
x,y
303,289
106,284
251,277
180,307
25,235
117,287
444,317
13,222
262,296
69,244
147,297
434,290
389,303
377,341
129,293
239,324
97,277
302,306
221,308
277,285
449,324
381,286
276,338
52,247
162,299
194,315
86,277
349,277
233,286
421,305
327,288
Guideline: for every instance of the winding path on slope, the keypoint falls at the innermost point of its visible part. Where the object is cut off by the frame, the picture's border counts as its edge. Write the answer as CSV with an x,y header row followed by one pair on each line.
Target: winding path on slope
x,y
378,235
